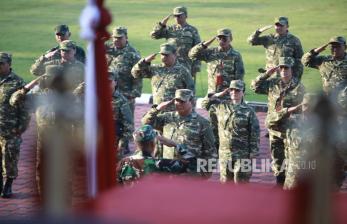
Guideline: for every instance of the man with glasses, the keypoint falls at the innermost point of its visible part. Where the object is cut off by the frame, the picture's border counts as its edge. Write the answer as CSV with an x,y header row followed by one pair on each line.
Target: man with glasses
x,y
182,34
333,68
224,64
280,44
62,33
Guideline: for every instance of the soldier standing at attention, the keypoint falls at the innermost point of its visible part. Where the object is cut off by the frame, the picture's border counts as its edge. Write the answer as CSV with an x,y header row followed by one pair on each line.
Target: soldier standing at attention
x,y
285,95
280,44
238,134
122,57
62,33
165,78
13,122
224,64
185,127
182,34
332,68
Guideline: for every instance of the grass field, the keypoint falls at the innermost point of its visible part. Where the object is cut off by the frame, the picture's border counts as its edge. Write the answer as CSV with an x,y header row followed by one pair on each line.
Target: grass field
x,y
27,27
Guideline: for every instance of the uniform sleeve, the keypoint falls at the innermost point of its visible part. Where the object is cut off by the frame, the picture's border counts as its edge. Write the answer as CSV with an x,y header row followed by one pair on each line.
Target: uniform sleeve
x,y
312,60
254,135
188,80
137,82
127,121
153,118
38,68
208,142
298,52
200,52
261,84
255,39
142,69
160,31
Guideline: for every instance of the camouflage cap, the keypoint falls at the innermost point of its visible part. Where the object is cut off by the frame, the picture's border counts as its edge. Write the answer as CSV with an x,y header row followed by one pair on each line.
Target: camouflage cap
x,y
237,84
337,40
67,45
144,134
282,21
167,48
61,29
286,61
120,31
184,94
224,32
179,11
5,57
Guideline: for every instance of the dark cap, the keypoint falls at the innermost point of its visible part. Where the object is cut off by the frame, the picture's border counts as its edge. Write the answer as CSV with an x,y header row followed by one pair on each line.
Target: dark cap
x,y
61,29
184,94
282,21
67,45
286,61
5,57
237,84
179,11
224,32
167,48
337,40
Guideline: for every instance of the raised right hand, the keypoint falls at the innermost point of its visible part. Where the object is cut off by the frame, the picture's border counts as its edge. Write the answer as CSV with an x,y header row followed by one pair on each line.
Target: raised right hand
x,y
321,48
164,21
165,104
150,58
265,28
207,43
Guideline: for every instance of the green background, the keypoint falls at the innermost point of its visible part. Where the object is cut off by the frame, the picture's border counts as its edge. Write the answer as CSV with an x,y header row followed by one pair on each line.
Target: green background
x,y
27,28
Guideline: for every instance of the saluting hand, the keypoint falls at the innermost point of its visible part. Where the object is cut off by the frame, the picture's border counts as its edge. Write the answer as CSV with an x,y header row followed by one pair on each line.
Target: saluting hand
x,y
271,70
164,21
265,28
207,43
321,48
165,104
225,91
150,58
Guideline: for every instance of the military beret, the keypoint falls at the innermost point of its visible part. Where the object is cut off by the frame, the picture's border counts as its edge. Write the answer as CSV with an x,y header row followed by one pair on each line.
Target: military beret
x,y
286,61
337,40
144,134
179,11
5,57
224,32
67,45
119,31
61,29
237,84
282,21
184,94
167,48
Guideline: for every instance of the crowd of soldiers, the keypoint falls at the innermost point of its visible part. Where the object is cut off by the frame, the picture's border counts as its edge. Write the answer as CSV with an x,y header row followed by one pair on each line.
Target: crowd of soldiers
x,y
173,136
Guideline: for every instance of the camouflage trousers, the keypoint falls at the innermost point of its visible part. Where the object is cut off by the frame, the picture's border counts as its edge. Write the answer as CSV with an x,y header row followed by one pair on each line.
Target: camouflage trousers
x,y
214,124
277,154
232,169
9,153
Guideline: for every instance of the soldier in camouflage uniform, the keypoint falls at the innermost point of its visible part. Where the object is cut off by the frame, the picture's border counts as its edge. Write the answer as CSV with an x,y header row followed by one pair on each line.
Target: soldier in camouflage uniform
x,y
238,133
56,111
224,64
281,44
121,56
283,93
122,116
142,162
62,33
182,34
184,126
73,69
13,122
333,68
166,78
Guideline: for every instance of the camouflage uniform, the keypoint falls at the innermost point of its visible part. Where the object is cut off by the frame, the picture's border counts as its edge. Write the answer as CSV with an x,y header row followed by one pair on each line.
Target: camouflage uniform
x,y
62,29
280,46
14,120
222,68
281,96
165,80
192,132
142,163
123,119
184,37
122,61
333,72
